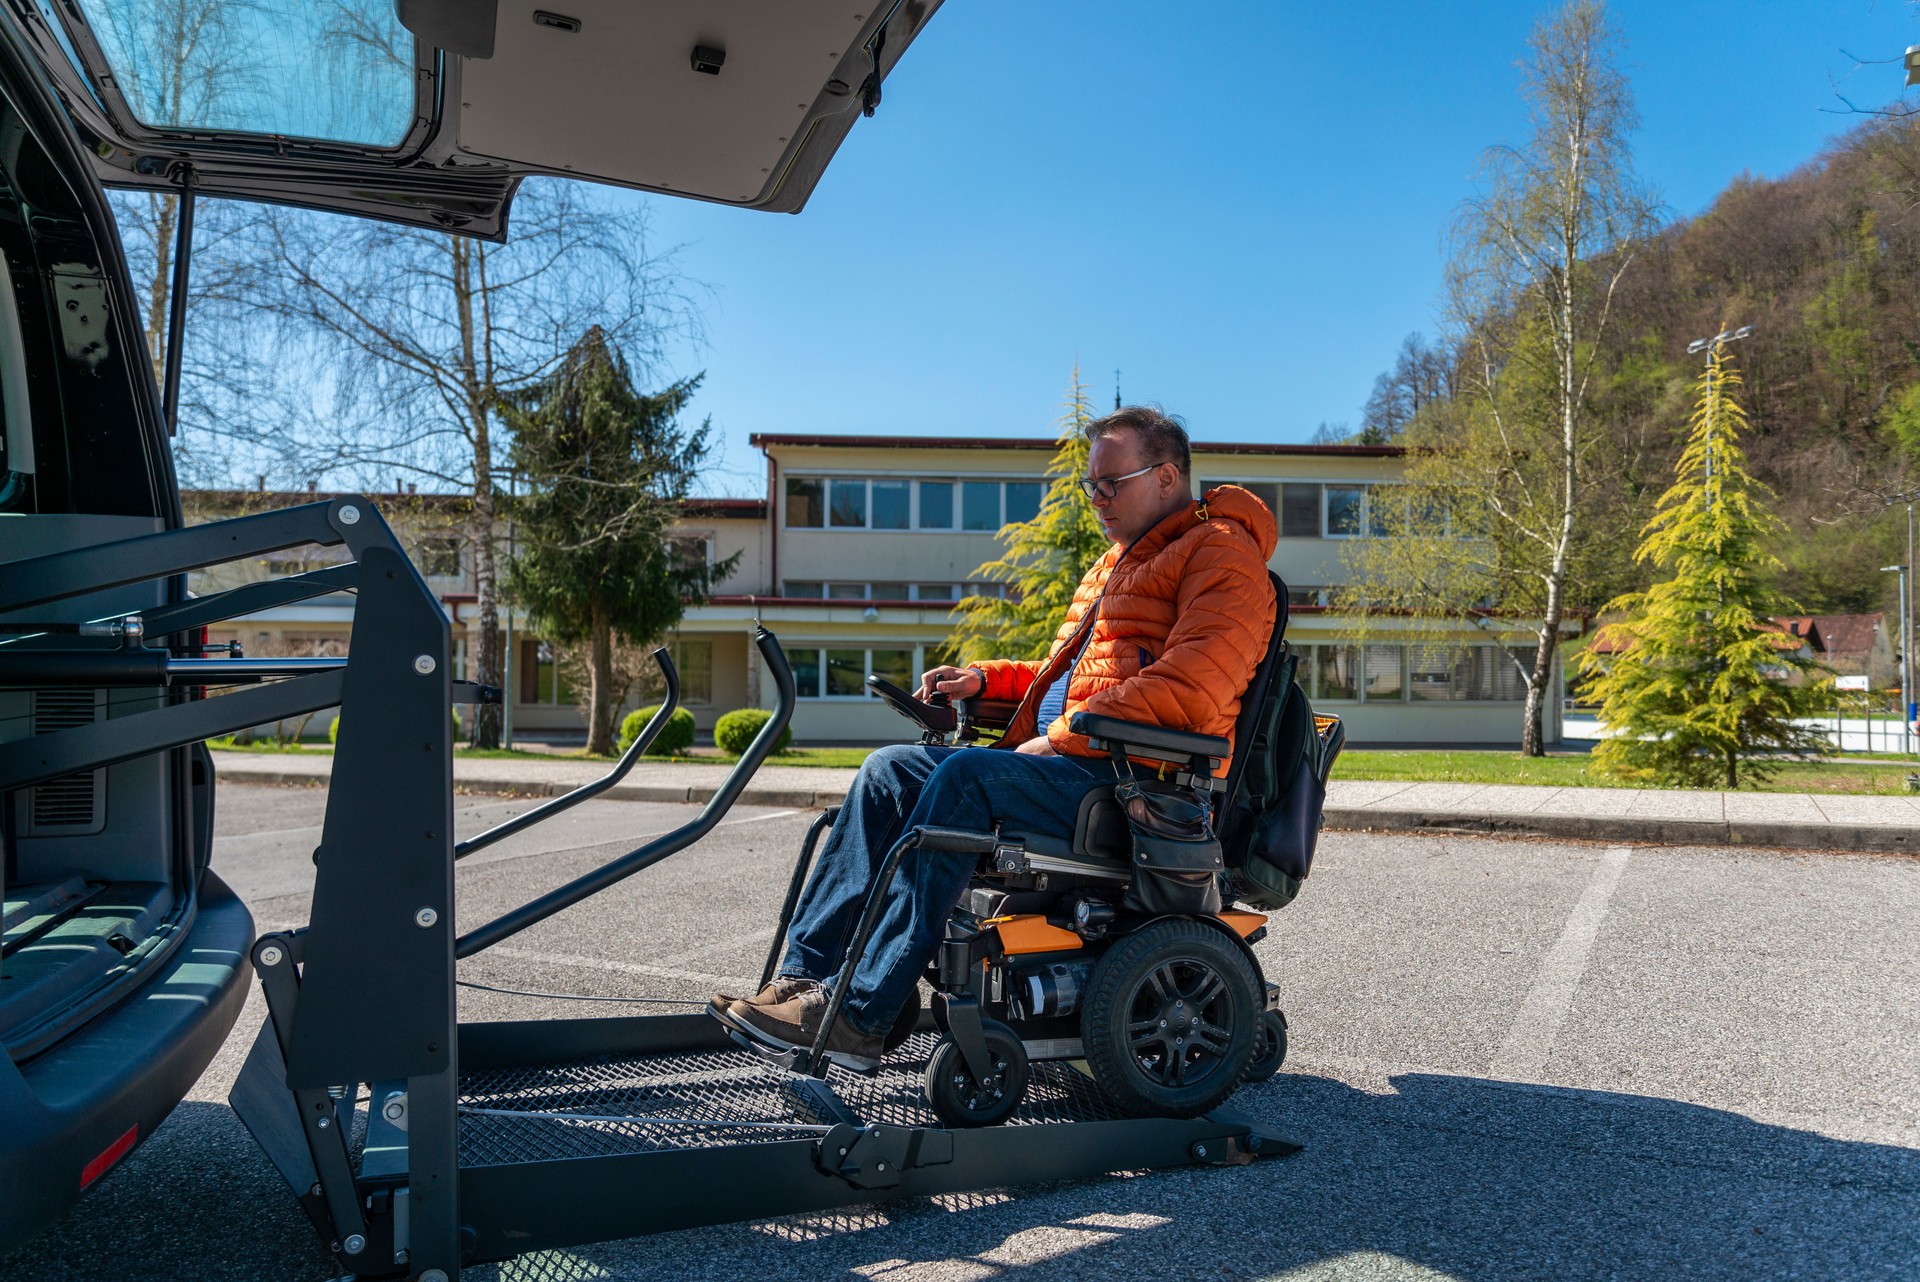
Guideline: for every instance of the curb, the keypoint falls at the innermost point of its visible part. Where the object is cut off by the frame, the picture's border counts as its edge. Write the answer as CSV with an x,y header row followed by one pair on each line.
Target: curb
x,y
797,798
1865,838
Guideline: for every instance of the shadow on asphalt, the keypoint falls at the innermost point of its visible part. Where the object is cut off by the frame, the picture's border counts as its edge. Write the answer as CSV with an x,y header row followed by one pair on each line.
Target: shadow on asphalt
x,y
1445,1177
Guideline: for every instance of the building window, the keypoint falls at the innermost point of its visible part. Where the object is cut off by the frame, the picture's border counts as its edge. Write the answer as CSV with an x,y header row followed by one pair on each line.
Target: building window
x,y
691,551
1308,596
1438,673
934,592
936,505
694,660
848,509
891,500
1023,500
846,591
439,558
841,672
806,503
887,592
895,666
1381,681
1335,672
804,589
541,682
1346,507
1300,511
980,505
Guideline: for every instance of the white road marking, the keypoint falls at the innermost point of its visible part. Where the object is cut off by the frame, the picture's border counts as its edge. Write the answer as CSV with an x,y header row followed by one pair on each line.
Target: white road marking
x,y
1529,1041
611,966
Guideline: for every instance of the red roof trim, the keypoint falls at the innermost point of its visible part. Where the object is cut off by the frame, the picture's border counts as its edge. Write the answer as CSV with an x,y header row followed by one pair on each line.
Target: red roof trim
x,y
764,439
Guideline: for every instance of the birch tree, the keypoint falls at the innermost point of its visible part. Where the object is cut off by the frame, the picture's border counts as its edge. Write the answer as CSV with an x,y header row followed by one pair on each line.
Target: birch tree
x,y
1501,478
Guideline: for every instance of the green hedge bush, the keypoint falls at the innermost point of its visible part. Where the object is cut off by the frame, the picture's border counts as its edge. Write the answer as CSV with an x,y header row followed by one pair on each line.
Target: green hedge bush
x,y
733,732
333,731
675,737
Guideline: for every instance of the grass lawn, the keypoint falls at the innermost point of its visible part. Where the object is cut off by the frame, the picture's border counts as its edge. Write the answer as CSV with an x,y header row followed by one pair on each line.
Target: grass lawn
x,y
1570,771
832,757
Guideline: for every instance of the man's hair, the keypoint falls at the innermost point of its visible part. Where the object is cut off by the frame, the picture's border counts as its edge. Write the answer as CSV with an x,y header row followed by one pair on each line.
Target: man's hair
x,y
1162,437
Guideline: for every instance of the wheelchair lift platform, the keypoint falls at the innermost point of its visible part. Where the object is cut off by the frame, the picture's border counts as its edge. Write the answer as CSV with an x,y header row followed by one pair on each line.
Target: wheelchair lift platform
x,y
418,1145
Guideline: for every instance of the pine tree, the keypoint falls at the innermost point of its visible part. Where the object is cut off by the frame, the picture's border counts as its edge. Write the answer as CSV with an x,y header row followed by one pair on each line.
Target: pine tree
x,y
606,467
1045,558
1701,687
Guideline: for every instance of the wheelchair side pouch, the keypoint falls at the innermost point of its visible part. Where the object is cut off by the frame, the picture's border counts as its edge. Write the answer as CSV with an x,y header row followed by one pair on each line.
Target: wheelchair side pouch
x,y
1176,856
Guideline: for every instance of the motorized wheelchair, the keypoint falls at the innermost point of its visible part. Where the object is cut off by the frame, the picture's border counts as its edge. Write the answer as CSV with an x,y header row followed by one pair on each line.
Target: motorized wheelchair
x,y
1122,948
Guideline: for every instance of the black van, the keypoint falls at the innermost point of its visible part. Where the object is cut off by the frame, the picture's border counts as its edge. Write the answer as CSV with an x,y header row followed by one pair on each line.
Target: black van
x,y
123,963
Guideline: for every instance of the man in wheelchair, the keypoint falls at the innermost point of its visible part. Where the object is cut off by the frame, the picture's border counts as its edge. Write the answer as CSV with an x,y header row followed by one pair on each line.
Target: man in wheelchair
x,y
1156,652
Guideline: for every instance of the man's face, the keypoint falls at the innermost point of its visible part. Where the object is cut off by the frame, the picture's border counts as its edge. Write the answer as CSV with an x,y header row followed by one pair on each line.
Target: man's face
x,y
1140,503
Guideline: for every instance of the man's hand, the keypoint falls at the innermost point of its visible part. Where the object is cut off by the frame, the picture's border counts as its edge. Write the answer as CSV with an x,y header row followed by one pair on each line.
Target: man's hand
x,y
955,683
1038,746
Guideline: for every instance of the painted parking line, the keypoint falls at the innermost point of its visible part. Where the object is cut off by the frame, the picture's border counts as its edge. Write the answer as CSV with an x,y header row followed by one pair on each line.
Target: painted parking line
x,y
1530,1040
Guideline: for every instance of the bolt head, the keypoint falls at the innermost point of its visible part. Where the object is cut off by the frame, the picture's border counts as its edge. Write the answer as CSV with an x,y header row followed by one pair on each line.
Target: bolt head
x,y
322,1123
394,1111
1199,1150
434,1275
424,664
354,1244
349,515
425,918
271,955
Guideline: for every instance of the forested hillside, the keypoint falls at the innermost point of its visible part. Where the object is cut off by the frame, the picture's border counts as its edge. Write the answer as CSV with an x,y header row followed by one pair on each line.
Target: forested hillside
x,y
1825,264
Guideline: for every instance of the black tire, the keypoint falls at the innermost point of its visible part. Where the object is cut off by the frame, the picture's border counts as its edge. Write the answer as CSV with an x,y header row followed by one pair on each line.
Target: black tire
x,y
1168,1021
1269,1047
903,1023
958,1099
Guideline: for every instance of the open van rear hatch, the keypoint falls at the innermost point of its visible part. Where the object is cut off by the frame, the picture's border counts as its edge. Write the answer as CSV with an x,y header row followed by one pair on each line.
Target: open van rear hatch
x,y
430,112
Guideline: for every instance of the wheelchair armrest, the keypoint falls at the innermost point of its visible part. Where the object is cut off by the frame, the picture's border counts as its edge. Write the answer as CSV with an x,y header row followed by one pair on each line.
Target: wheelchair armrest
x,y
987,714
1153,741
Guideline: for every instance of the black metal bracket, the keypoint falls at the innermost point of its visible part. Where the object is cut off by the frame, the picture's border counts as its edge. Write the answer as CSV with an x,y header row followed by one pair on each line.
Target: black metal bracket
x,y
876,1157
960,1018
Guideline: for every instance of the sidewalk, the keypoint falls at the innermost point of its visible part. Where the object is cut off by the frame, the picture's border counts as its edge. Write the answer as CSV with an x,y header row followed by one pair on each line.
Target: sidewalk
x,y
1885,824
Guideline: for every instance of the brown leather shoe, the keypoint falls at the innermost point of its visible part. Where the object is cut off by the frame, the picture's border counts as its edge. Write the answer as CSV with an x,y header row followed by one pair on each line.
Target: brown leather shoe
x,y
794,1023
782,988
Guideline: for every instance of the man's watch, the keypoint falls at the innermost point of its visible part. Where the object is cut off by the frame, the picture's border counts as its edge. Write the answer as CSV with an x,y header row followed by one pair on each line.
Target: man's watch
x,y
983,682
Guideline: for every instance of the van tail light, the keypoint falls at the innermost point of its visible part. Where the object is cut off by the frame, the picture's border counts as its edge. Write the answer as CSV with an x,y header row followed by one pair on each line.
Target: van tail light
x,y
111,1154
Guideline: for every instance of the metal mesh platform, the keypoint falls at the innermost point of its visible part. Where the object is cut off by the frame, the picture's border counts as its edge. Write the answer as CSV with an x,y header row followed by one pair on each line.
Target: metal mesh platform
x,y
711,1097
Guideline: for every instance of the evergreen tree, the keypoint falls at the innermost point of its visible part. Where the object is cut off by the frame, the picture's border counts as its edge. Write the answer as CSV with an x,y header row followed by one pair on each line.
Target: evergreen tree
x,y
1700,687
1045,558
606,467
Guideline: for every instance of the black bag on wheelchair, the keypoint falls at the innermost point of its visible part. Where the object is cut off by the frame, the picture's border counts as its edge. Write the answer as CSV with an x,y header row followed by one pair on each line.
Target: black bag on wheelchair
x,y
1177,862
1274,824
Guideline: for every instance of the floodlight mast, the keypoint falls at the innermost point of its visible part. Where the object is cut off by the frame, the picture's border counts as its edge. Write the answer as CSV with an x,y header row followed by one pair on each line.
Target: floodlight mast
x,y
1906,667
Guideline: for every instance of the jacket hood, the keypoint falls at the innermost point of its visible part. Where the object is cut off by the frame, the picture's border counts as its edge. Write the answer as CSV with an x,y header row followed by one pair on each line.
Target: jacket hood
x,y
1231,503
1221,503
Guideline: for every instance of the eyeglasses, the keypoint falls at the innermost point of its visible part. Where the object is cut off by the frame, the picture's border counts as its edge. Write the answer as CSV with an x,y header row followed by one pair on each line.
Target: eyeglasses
x,y
1107,486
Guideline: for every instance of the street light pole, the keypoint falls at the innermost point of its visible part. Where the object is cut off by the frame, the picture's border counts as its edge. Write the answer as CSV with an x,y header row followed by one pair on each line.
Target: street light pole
x,y
1711,346
1906,667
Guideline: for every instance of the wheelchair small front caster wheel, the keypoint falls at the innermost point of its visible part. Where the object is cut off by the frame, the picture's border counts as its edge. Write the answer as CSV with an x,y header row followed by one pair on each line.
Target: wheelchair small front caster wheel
x,y
958,1098
1269,1047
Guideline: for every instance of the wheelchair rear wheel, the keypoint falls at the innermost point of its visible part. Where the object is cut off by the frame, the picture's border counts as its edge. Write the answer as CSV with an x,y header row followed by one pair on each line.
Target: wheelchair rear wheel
x,y
1169,1018
960,1099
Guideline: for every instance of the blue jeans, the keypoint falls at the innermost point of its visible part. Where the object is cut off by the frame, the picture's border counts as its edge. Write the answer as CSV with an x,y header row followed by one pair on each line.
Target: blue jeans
x,y
900,787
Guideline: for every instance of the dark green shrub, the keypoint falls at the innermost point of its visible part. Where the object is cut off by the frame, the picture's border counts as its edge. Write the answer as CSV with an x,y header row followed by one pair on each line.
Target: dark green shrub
x,y
675,737
733,732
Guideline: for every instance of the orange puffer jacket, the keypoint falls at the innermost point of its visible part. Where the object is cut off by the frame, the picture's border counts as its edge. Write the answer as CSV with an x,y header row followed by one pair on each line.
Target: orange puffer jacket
x,y
1180,620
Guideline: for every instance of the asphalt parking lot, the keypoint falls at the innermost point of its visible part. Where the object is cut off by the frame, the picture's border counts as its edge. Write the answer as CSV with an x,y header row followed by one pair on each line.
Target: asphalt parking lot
x,y
1510,1060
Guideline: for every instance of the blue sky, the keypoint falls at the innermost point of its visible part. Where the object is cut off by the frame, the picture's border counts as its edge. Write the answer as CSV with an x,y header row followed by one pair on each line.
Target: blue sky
x,y
1243,214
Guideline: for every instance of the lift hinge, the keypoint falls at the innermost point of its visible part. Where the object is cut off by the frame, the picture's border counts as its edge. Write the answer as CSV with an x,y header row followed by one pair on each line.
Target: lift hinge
x,y
873,1157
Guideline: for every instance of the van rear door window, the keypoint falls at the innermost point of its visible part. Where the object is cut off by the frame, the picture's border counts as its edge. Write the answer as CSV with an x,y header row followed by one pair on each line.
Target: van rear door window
x,y
337,72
